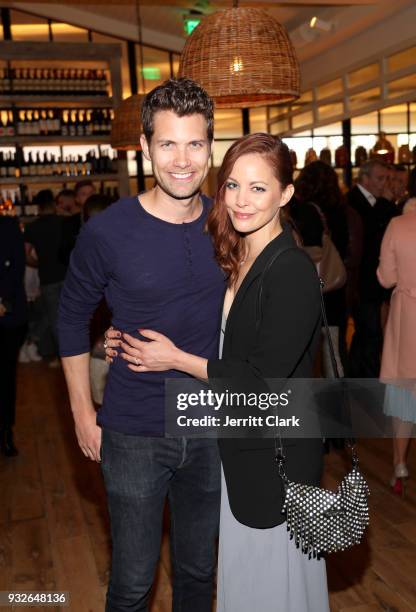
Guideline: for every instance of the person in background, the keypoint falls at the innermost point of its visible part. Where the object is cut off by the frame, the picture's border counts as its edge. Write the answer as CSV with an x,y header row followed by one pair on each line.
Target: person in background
x,y
318,184
95,204
13,318
366,197
65,203
400,184
72,225
409,202
83,190
397,268
29,351
42,242
388,191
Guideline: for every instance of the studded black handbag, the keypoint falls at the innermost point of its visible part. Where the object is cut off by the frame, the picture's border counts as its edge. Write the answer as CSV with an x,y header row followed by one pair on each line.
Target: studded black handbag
x,y
320,520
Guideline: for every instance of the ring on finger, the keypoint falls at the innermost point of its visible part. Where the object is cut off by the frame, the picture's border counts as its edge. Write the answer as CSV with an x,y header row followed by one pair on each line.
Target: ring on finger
x,y
136,361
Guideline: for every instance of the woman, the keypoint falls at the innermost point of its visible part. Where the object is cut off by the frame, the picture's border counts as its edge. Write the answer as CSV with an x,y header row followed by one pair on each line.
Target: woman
x,y
318,184
259,566
397,269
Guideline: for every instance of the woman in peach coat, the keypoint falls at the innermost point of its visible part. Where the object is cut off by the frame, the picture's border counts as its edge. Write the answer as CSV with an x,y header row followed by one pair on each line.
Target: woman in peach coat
x,y
397,268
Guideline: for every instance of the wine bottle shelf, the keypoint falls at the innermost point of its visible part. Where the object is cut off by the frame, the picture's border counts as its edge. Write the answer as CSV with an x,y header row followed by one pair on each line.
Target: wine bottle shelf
x,y
10,141
27,180
46,101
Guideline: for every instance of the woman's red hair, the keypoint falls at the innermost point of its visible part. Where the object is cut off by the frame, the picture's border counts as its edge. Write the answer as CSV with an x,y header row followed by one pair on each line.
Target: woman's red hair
x,y
228,243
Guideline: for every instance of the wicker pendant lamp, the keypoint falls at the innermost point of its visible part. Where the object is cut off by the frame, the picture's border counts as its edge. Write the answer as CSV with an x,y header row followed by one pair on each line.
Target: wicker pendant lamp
x,y
243,57
126,127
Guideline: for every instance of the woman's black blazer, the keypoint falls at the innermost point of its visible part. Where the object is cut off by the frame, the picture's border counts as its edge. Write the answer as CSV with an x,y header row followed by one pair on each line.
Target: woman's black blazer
x,y
285,345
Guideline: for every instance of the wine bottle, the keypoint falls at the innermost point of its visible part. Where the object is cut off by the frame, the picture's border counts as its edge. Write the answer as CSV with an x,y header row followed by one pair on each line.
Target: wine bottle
x,y
80,166
2,127
11,168
88,165
80,123
72,128
88,123
3,165
10,130
64,123
24,166
72,166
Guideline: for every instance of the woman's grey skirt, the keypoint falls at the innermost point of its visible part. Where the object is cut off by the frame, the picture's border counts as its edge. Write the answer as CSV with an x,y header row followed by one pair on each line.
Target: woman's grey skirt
x,y
261,569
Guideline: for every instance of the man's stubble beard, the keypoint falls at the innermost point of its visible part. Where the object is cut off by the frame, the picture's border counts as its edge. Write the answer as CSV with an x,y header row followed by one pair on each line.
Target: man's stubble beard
x,y
194,191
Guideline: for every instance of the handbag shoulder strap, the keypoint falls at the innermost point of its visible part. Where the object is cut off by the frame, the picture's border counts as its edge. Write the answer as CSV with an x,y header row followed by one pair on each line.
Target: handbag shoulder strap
x,y
280,457
259,301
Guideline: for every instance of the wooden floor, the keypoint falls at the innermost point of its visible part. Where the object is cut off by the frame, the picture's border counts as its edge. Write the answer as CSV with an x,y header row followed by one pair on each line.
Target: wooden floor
x,y
54,526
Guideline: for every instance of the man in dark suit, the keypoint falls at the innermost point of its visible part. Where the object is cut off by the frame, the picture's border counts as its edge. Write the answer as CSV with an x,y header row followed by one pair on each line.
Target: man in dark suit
x,y
376,213
12,324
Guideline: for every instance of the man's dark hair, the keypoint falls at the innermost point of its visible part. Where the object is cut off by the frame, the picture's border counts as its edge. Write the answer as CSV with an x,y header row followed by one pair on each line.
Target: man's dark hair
x,y
66,193
45,201
96,203
368,166
183,97
411,188
83,183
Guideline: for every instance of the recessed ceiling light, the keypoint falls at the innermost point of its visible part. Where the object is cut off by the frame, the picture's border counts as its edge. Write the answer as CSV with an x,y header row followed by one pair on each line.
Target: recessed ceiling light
x,y
320,24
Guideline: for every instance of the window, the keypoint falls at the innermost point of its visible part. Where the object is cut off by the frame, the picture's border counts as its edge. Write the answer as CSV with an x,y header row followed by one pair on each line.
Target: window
x,y
334,88
301,120
401,60
156,68
413,117
394,119
402,87
365,98
28,27
330,110
228,124
220,149
64,32
258,120
363,75
332,129
365,124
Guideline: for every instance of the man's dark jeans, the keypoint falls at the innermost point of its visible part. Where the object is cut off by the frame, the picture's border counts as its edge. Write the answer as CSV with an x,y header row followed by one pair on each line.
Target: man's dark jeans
x,y
139,473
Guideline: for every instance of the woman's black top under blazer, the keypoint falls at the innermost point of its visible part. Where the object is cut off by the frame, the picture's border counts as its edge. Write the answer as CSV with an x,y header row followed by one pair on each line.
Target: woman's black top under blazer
x,y
284,346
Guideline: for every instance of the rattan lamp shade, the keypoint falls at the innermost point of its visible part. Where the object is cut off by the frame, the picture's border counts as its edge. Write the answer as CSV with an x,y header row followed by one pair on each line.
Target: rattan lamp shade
x,y
126,128
243,58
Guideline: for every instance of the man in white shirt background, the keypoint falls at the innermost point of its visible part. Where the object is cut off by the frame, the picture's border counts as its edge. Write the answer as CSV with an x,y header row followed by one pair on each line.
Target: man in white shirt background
x,y
375,211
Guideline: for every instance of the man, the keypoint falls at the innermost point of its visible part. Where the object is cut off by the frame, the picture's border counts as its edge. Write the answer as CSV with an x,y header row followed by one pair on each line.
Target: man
x,y
83,190
150,257
65,203
72,225
42,244
13,318
375,212
400,182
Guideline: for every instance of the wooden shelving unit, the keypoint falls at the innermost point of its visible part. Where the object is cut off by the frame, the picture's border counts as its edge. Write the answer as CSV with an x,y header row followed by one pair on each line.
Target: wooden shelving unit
x,y
10,141
32,180
65,52
8,102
